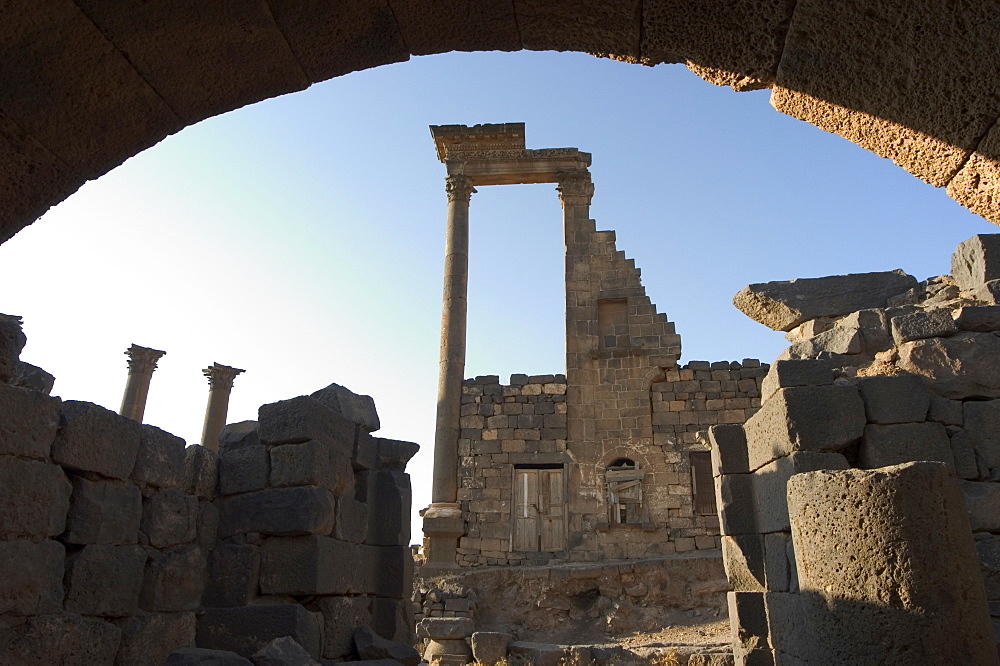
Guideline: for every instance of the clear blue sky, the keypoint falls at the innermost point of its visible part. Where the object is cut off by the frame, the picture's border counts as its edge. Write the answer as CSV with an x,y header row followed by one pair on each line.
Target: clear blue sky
x,y
302,238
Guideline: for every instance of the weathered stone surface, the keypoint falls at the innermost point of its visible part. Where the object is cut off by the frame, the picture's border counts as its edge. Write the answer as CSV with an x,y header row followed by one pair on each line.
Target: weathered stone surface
x,y
729,449
807,418
943,410
105,580
32,584
393,454
393,619
246,630
201,471
232,575
283,651
12,341
779,563
489,647
359,409
734,499
369,645
208,525
961,366
147,640
976,260
743,556
312,463
174,580
836,343
388,497
964,454
103,512
784,305
302,419
352,520
340,616
29,422
988,551
771,480
61,639
279,511
365,452
94,439
923,324
445,627
28,376
309,565
160,460
34,498
885,445
205,657
466,25
169,518
795,372
894,399
981,433
456,650
748,620
988,293
385,571
244,469
984,319
238,435
983,501
892,548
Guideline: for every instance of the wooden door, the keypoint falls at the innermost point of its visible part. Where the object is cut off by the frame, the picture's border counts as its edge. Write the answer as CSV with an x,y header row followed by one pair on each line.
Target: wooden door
x,y
539,510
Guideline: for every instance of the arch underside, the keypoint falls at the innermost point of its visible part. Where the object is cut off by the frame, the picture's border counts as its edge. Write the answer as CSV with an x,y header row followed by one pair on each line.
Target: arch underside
x,y
84,85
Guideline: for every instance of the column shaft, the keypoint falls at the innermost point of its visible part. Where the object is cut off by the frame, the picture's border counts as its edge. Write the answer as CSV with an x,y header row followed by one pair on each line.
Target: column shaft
x,y
141,364
220,381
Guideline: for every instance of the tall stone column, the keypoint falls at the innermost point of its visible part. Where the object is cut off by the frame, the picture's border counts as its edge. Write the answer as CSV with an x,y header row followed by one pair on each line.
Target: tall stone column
x,y
141,364
443,518
220,383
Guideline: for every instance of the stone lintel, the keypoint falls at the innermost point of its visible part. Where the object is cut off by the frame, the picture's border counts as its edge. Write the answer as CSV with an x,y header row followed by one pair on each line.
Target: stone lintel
x,y
515,167
490,136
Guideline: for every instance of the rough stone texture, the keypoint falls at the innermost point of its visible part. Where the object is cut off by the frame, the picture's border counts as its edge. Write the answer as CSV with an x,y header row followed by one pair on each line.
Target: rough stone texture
x,y
169,518
368,645
34,498
445,628
983,502
748,621
743,556
808,418
359,409
393,454
312,463
283,651
960,366
976,261
238,435
782,306
894,399
340,616
891,549
489,647
103,512
735,502
982,318
606,29
387,494
309,565
32,584
302,419
201,471
943,410
779,560
981,433
243,469
174,580
988,293
885,445
61,639
160,459
464,26
94,439
12,341
233,571
729,449
385,571
205,657
924,324
771,480
147,640
351,523
208,525
105,580
988,549
280,511
29,424
795,372
246,630
28,376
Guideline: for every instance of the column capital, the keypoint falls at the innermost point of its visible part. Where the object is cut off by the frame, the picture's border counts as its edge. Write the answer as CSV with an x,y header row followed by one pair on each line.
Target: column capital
x,y
575,187
458,187
221,376
142,360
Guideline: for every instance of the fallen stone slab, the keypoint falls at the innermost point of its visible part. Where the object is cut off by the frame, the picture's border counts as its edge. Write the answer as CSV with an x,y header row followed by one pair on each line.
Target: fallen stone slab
x,y
94,439
205,657
283,651
370,646
976,261
961,366
536,654
29,424
358,409
445,628
782,306
988,293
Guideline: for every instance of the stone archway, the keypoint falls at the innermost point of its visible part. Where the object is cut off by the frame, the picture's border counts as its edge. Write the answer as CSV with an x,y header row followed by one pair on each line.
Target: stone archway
x,y
84,87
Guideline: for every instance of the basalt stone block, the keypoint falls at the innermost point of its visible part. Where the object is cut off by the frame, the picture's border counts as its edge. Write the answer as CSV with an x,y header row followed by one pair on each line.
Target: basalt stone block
x,y
444,628
301,419
105,580
805,418
278,511
964,453
32,583
205,657
735,502
771,480
309,565
393,619
981,432
988,552
988,292
61,639
536,654
729,450
340,616
94,439
885,445
960,366
748,620
365,452
943,410
160,460
283,651
489,647
743,557
983,502
32,377
103,512
208,526
352,520
779,559
174,580
369,645
34,498
782,306
148,640
388,497
201,472
246,630
243,470
393,454
237,436
894,399
312,463
795,372
385,571
984,319
170,518
359,409
924,324
976,260
12,341
233,571
29,422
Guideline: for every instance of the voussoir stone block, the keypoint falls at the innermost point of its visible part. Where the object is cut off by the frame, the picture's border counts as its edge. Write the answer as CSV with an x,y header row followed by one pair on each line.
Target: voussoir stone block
x,y
782,306
29,422
278,511
923,324
62,639
729,449
771,480
960,366
174,580
34,498
309,565
247,629
795,372
805,418
894,444
358,409
33,579
169,518
150,638
894,399
105,580
312,463
891,548
160,459
243,469
302,419
976,260
94,439
103,512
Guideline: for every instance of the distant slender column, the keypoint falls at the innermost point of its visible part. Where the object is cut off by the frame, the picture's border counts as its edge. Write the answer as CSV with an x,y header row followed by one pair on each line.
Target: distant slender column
x,y
141,364
220,382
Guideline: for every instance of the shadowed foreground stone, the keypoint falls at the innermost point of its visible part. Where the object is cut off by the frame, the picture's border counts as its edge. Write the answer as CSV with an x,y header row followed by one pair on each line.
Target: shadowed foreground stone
x,y
62,639
205,657
283,651
246,630
887,570
368,645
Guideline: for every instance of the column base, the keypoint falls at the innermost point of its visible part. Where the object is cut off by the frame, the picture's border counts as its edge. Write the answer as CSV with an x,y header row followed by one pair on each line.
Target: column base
x,y
443,525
